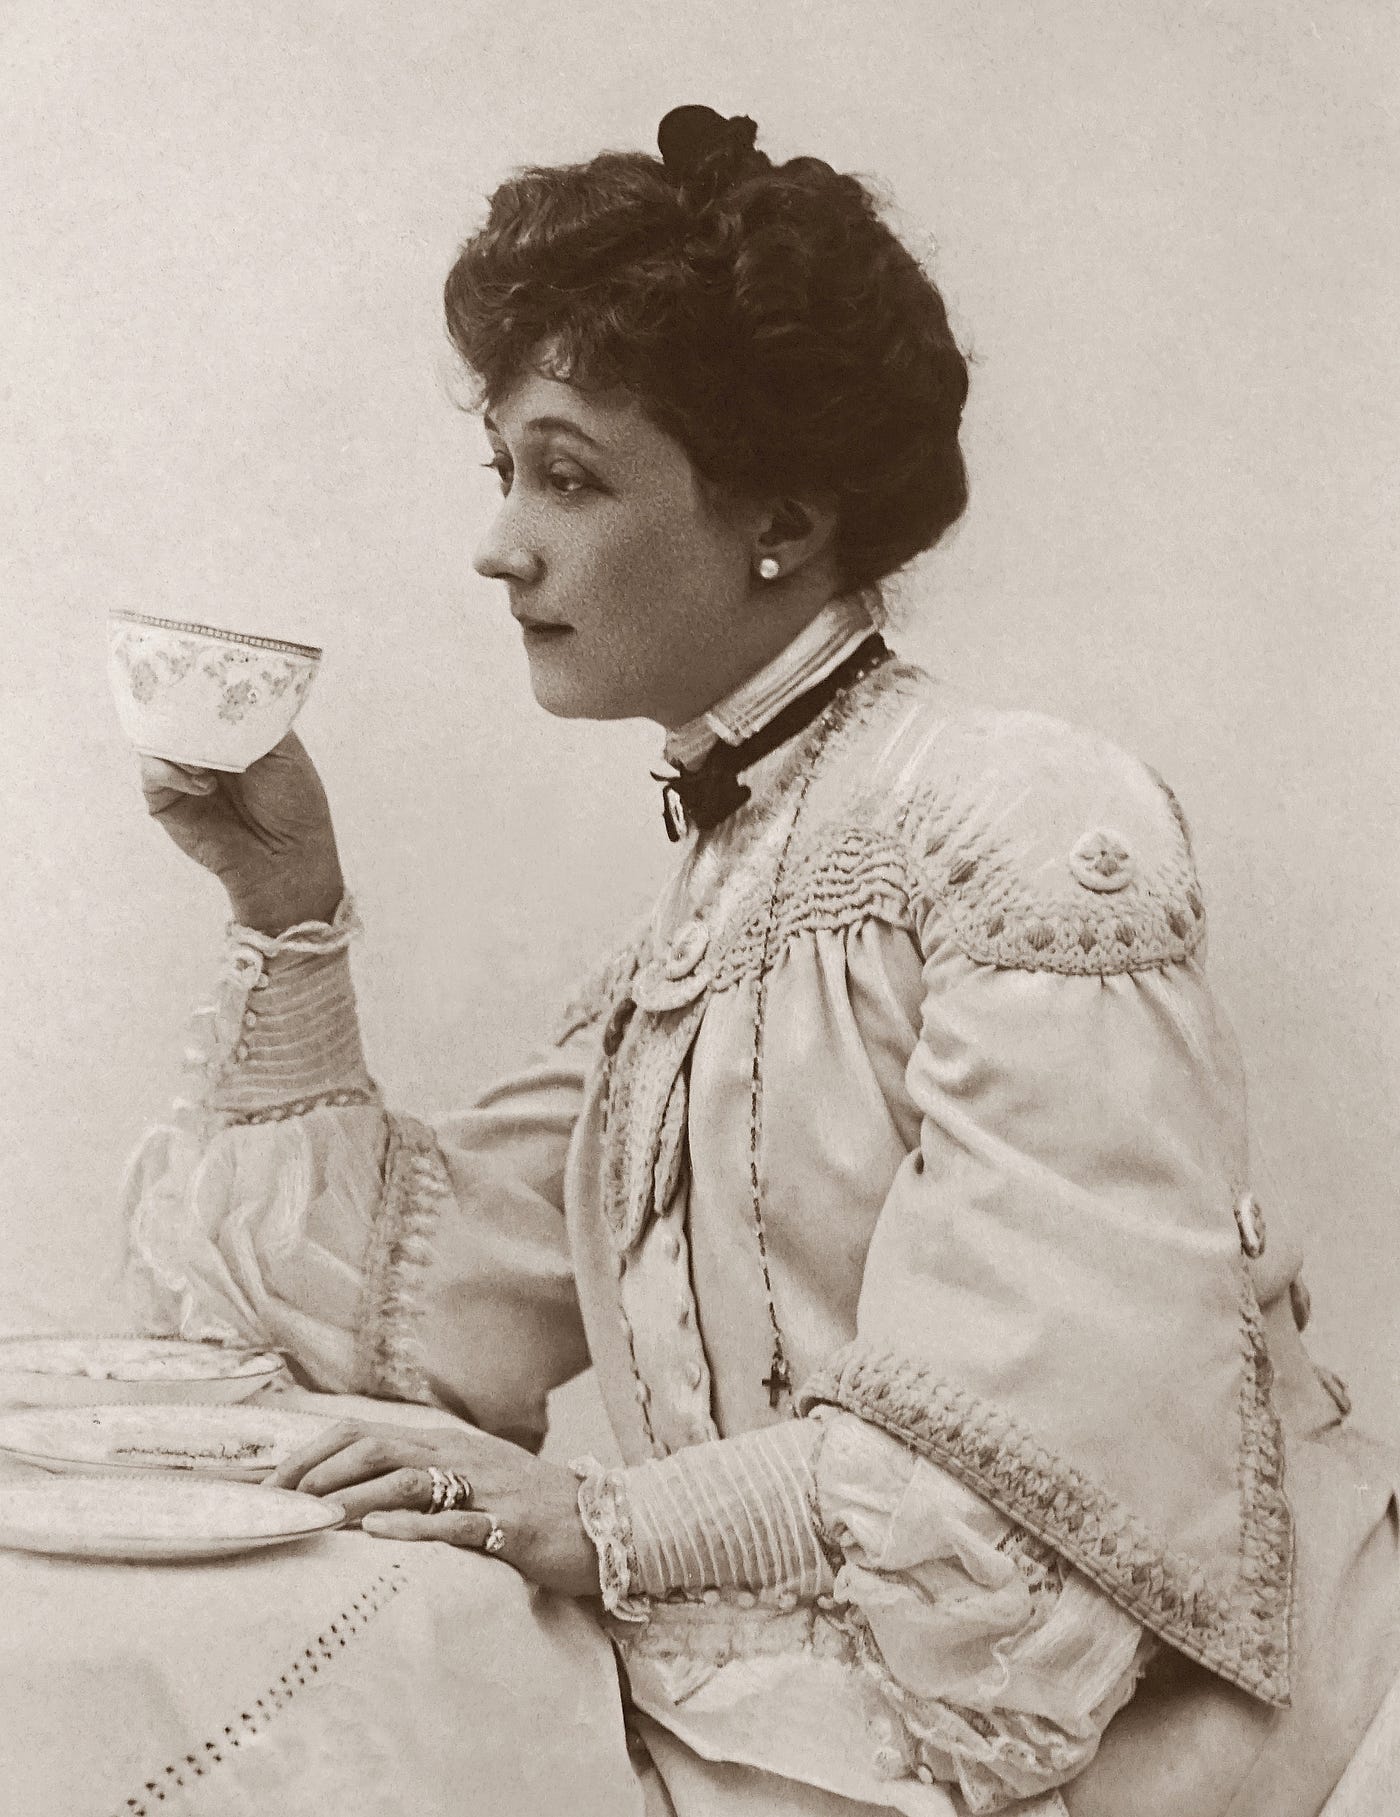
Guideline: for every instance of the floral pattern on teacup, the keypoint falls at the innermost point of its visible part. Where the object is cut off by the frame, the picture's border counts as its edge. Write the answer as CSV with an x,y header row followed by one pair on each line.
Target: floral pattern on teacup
x,y
247,677
148,662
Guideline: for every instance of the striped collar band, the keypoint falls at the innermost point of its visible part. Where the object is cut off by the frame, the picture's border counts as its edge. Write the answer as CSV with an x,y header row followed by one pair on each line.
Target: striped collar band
x,y
811,656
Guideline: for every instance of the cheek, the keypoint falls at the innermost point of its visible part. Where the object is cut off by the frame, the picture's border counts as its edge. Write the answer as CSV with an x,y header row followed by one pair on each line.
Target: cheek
x,y
642,574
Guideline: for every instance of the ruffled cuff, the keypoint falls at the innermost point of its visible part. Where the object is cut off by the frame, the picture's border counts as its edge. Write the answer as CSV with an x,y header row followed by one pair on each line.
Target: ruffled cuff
x,y
283,1037
602,1508
999,1664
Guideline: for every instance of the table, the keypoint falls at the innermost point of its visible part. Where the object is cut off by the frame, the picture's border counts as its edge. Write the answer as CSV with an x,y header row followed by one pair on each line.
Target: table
x,y
341,1676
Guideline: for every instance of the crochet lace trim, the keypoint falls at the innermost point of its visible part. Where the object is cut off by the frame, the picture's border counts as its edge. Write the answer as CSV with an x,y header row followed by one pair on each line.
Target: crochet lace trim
x,y
390,1358
331,936
1240,1632
602,1507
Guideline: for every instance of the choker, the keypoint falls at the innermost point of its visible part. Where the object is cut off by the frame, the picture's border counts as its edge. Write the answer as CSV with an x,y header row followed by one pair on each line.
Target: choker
x,y
704,796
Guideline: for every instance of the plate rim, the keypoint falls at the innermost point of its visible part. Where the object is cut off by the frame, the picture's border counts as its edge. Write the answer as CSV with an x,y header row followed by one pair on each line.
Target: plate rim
x,y
272,1360
103,1410
55,1487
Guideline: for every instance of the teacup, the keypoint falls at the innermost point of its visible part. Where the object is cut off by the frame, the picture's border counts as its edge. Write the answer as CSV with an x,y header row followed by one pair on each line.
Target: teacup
x,y
198,695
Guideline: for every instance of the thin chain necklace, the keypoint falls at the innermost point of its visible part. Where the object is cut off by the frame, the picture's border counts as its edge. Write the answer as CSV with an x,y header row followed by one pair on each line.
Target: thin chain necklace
x,y
778,1381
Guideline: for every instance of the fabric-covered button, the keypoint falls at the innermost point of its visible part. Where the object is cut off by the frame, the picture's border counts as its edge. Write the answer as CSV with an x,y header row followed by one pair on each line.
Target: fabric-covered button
x,y
672,1246
643,1393
1249,1216
1101,861
686,950
695,1375
241,1051
684,1314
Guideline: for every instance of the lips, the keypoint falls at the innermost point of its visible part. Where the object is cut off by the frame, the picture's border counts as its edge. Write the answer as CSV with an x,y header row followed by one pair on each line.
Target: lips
x,y
541,630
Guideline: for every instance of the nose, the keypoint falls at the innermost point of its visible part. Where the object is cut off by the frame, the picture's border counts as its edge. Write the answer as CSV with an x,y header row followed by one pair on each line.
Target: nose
x,y
503,555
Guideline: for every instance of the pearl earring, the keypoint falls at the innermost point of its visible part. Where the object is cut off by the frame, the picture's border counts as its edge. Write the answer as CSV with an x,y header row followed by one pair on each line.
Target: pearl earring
x,y
769,568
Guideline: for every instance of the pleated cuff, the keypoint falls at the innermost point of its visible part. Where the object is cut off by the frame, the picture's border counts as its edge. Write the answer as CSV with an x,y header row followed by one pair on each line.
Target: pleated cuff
x,y
284,1035
732,1514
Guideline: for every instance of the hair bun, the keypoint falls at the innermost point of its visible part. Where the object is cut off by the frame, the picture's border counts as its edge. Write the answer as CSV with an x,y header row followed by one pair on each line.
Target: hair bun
x,y
695,142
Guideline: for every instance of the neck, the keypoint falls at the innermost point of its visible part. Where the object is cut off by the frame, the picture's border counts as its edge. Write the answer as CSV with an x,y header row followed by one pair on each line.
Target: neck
x,y
771,617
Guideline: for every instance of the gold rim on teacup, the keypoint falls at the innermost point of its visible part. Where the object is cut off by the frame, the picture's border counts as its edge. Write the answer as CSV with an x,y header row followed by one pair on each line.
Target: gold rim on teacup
x,y
311,651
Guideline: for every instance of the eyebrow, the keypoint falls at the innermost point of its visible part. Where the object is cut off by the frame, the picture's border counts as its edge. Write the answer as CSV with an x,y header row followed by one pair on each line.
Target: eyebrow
x,y
546,423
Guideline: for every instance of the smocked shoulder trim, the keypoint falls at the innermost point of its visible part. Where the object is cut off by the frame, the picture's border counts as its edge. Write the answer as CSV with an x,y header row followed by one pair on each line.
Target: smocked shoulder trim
x,y
389,1357
1240,1630
1026,842
1003,911
1041,846
831,882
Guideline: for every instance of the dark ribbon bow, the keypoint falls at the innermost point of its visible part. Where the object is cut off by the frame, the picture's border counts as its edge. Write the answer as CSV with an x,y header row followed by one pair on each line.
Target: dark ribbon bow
x,y
704,796
690,137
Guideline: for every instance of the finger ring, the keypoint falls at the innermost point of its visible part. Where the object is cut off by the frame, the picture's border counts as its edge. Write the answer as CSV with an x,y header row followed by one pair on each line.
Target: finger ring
x,y
495,1539
441,1490
459,1492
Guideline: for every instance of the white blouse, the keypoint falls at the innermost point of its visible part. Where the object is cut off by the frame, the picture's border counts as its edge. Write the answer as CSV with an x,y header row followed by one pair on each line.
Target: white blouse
x,y
807,1596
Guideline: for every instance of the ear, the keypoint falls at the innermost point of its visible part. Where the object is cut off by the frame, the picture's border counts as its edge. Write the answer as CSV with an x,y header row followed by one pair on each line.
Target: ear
x,y
794,532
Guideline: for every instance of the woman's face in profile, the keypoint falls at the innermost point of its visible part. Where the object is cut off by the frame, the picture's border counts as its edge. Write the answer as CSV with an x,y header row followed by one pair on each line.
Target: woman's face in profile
x,y
627,581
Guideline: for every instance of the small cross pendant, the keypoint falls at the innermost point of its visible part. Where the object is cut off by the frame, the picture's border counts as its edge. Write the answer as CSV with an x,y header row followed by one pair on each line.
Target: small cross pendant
x,y
779,1381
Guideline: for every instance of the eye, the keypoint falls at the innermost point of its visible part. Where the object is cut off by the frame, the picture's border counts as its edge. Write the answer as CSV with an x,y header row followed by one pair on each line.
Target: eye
x,y
568,481
500,465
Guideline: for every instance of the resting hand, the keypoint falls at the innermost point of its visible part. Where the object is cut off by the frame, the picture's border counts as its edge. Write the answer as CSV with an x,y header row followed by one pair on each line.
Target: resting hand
x,y
380,1476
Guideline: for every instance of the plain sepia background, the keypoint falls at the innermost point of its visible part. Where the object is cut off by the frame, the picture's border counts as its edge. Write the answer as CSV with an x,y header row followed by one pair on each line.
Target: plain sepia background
x,y
1167,233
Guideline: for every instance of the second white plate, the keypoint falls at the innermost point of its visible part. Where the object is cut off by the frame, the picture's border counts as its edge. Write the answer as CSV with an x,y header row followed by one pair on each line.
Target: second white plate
x,y
239,1444
156,1517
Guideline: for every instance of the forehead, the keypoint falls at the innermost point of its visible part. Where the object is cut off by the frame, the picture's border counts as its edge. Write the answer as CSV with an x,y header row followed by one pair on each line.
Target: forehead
x,y
611,417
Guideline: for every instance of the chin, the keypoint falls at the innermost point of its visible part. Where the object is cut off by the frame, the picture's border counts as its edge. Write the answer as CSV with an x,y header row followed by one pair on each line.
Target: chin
x,y
571,697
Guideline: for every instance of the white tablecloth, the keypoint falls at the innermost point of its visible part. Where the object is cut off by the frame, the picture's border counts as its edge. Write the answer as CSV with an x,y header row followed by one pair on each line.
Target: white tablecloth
x,y
341,1675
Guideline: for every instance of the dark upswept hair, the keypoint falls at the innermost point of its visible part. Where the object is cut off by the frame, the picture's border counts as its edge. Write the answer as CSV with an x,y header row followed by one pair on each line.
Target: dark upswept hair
x,y
763,315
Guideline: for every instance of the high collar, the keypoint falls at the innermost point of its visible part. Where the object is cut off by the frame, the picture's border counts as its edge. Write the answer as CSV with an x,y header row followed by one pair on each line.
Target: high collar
x,y
811,656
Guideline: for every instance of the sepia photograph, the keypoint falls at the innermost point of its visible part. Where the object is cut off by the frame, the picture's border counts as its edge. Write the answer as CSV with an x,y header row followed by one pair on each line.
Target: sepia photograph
x,y
701,999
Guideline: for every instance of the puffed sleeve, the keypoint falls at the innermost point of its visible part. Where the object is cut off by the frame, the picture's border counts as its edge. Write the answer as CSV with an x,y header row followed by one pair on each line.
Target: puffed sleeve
x,y
1057,1306
969,1656
384,1255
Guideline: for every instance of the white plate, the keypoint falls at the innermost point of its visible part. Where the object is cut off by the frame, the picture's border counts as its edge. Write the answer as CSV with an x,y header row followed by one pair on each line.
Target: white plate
x,y
156,1517
239,1444
78,1371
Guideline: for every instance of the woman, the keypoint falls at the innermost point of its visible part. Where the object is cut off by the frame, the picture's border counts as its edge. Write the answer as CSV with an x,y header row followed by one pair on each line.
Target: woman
x,y
894,1177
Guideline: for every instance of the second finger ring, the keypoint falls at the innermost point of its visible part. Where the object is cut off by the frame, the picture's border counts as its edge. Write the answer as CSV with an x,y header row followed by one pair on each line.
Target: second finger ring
x,y
459,1492
495,1541
441,1490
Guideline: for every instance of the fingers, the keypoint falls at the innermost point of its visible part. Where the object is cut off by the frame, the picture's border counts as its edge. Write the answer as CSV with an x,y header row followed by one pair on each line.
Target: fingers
x,y
292,1472
410,1487
469,1530
164,783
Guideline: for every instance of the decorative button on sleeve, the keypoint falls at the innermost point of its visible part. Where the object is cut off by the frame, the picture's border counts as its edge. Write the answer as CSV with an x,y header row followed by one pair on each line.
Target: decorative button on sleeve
x,y
1101,861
